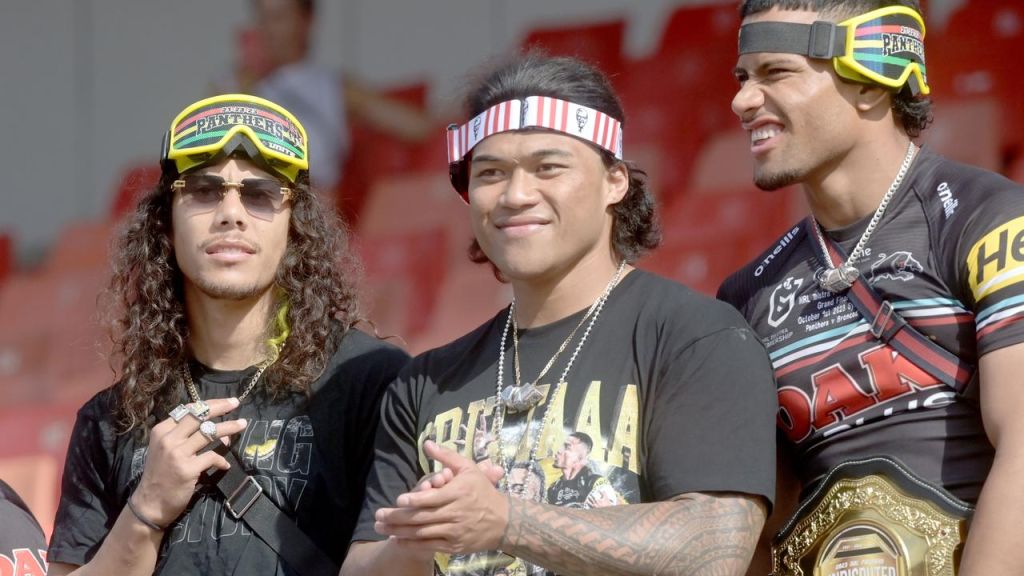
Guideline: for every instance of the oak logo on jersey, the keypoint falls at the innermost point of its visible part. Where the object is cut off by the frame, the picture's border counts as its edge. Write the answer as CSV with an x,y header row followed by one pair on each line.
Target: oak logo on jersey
x,y
896,266
840,396
22,562
997,260
782,301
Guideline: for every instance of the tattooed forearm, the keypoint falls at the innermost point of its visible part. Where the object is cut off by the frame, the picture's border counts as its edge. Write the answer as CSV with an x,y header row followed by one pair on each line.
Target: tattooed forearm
x,y
696,534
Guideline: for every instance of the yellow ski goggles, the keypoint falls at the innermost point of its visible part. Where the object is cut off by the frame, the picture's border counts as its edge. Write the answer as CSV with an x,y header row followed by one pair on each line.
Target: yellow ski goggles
x,y
884,46
217,127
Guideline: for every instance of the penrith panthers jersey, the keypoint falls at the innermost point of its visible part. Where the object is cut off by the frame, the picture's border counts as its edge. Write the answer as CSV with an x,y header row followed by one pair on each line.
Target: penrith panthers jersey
x,y
949,256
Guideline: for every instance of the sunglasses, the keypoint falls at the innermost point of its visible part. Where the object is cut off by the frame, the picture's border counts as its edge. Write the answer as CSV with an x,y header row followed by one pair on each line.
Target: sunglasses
x,y
262,198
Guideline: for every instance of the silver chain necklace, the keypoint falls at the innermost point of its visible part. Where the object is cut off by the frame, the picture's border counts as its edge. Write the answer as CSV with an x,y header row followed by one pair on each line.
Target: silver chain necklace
x,y
838,278
500,409
194,393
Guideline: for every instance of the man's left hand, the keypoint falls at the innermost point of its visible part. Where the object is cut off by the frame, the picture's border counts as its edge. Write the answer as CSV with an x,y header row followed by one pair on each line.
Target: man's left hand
x,y
467,514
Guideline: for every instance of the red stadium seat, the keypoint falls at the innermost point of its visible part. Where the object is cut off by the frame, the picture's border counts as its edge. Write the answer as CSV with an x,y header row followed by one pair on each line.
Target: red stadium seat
x,y
1016,170
136,181
32,453
975,58
82,245
681,95
6,256
26,306
597,43
469,296
77,359
701,263
410,203
403,275
967,130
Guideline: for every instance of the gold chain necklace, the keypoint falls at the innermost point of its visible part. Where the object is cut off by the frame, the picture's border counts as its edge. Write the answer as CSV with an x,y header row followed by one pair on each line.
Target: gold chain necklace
x,y
194,393
525,396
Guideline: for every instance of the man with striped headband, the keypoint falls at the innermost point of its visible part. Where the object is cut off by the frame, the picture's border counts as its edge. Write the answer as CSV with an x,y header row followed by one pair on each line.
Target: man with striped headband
x,y
478,466
235,440
893,313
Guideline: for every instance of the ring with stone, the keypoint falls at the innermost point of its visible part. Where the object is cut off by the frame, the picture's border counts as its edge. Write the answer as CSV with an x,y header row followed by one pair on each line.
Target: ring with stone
x,y
199,409
178,412
208,429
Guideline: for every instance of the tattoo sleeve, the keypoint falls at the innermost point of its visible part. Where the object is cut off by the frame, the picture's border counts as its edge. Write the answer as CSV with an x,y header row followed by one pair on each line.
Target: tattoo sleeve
x,y
694,534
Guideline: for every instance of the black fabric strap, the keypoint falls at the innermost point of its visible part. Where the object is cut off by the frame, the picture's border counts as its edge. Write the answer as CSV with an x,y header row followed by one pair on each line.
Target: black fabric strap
x,y
245,500
822,40
889,327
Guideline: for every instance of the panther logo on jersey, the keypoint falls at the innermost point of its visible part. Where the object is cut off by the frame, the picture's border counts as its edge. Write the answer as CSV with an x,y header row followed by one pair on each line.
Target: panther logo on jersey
x,y
896,266
782,300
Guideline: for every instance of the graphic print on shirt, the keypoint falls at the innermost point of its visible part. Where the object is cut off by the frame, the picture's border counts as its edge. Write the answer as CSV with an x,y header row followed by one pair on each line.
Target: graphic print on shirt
x,y
584,459
277,453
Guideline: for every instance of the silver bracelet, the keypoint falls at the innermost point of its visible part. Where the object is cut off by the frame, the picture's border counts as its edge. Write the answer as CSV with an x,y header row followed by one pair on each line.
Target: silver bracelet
x,y
143,519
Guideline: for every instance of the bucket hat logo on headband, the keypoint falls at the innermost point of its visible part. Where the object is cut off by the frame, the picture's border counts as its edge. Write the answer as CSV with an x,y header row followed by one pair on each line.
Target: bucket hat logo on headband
x,y
575,120
884,46
216,127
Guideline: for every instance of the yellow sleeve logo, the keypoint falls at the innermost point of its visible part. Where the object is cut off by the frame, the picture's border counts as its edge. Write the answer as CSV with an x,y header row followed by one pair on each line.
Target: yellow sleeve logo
x,y
997,260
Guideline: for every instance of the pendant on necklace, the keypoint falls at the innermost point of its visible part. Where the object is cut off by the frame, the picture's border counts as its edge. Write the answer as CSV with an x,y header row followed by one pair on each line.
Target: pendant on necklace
x,y
838,279
521,398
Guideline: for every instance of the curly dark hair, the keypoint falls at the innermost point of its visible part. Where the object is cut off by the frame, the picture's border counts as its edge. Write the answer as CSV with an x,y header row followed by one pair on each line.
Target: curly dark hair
x,y
635,226
316,284
914,112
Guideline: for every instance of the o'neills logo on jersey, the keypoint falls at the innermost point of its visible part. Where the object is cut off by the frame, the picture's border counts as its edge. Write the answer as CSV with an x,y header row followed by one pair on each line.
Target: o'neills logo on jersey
x,y
785,241
840,399
949,202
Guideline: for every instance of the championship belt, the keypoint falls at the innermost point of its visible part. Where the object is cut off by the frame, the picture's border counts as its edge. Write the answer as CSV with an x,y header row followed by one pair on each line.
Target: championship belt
x,y
873,517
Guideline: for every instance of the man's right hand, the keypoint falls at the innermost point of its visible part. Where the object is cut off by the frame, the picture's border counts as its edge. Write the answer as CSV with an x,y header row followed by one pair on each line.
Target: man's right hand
x,y
173,463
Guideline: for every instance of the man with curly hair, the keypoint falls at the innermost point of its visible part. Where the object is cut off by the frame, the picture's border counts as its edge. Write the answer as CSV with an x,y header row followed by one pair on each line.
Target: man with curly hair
x,y
235,293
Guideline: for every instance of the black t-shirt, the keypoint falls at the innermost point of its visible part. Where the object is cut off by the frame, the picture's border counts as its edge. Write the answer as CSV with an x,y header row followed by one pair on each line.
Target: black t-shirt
x,y
673,389
22,543
311,457
949,255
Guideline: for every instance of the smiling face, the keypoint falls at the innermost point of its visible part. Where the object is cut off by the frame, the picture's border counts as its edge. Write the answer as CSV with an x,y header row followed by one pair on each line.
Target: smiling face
x,y
800,116
540,202
226,253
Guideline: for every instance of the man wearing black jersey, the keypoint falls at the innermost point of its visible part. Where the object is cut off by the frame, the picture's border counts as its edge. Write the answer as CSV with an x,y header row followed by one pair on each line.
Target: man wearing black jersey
x,y
938,246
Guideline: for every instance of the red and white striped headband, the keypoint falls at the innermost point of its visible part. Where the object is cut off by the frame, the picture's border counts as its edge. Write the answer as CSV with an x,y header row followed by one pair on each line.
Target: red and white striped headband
x,y
536,111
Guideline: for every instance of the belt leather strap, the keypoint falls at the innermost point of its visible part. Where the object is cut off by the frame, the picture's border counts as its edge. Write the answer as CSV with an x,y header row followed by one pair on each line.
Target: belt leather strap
x,y
246,501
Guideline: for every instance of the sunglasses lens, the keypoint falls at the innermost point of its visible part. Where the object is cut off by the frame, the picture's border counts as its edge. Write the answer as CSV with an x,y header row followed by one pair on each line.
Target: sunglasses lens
x,y
202,190
261,197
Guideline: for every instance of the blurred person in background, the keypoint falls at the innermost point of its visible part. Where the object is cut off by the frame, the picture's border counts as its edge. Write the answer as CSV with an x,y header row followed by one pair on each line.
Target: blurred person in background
x,y
893,313
671,388
275,62
234,295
